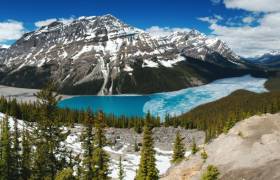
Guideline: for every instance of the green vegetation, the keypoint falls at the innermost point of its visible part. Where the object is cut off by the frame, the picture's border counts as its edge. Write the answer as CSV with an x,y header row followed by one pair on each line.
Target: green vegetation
x,y
136,147
121,173
65,174
100,157
31,112
178,149
204,155
194,147
211,173
147,167
6,159
40,153
87,145
217,117
48,137
273,84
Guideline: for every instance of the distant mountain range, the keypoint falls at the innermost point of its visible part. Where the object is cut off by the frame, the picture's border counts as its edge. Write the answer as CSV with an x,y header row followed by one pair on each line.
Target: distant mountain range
x,y
103,55
269,60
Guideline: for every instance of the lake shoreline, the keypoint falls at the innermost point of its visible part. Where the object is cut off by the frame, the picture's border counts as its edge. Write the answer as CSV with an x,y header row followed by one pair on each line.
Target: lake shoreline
x,y
23,94
160,104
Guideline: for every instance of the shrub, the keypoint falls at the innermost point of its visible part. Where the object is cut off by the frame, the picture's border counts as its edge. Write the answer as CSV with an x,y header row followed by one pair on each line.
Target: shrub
x,y
211,173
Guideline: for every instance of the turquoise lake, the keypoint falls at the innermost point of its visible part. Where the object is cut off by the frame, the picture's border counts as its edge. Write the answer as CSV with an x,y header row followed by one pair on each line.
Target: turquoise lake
x,y
160,104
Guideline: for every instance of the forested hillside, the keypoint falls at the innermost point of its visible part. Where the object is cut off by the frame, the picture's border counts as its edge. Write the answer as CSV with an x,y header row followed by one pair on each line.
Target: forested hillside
x,y
219,116
273,84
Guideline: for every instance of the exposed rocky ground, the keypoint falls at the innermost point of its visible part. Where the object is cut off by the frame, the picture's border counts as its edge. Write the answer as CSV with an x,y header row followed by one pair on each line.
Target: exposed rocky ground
x,y
251,150
122,143
163,137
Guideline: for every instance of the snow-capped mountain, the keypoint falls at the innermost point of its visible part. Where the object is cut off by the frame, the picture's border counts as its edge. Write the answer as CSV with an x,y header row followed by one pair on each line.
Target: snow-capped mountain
x,y
103,55
270,59
198,45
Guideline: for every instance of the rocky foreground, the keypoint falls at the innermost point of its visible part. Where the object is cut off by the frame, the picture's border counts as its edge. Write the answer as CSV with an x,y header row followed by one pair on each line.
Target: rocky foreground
x,y
122,143
251,150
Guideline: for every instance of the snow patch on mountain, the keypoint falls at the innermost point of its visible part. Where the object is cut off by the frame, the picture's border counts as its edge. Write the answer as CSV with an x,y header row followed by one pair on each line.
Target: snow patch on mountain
x,y
150,64
170,63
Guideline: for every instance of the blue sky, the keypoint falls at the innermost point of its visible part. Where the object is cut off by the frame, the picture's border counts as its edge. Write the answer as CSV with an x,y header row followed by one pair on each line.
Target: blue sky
x,y
221,18
140,13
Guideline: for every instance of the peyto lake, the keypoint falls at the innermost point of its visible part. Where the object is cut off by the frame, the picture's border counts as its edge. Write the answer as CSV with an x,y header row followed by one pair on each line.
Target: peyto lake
x,y
160,104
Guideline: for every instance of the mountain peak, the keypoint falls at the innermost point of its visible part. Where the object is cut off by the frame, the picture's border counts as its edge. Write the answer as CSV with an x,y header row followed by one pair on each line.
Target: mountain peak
x,y
96,48
195,32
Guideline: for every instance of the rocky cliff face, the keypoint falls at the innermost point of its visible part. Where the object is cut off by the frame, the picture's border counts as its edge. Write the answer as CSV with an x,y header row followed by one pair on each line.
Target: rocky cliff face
x,y
103,55
250,150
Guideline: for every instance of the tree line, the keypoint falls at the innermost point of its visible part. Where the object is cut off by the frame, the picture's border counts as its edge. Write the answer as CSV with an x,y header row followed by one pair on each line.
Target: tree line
x,y
30,111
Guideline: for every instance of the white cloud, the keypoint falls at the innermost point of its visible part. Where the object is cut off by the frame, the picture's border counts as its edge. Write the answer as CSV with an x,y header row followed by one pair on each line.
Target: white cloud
x,y
66,20
239,32
45,22
208,20
254,5
212,20
51,20
11,30
248,19
251,41
215,1
218,17
157,31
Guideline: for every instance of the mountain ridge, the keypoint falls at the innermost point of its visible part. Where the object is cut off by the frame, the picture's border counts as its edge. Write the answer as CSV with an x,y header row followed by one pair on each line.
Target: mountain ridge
x,y
103,55
269,60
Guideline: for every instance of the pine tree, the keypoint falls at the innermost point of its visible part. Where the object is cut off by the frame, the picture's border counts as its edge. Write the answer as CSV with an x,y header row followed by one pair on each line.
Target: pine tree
x,y
100,156
65,174
15,152
121,173
178,149
136,147
147,168
26,155
48,136
212,173
5,159
87,139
